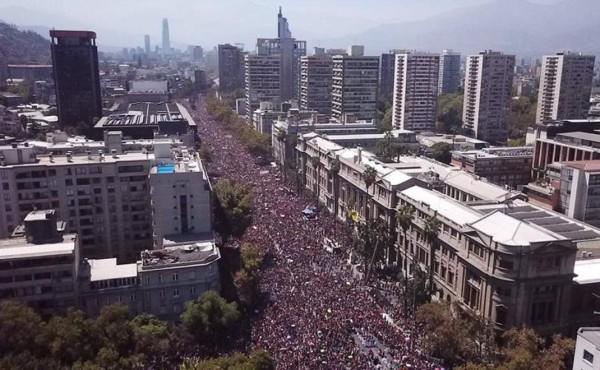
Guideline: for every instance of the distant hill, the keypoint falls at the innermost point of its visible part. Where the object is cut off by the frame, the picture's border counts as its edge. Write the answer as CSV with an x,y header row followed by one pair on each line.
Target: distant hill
x,y
513,26
21,47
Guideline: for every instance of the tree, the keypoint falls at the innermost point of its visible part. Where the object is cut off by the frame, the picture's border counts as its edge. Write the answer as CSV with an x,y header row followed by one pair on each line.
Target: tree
x,y
335,170
232,209
385,124
369,177
316,165
72,338
441,152
19,327
404,218
386,147
209,317
151,335
431,229
257,360
449,114
371,235
247,279
522,115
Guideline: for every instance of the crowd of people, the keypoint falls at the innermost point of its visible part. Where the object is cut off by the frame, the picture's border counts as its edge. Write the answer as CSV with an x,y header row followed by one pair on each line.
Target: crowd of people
x,y
318,310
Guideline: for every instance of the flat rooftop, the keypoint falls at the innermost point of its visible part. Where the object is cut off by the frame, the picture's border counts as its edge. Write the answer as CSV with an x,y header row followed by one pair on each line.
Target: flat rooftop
x,y
525,151
443,205
108,269
198,252
19,248
580,135
587,166
146,114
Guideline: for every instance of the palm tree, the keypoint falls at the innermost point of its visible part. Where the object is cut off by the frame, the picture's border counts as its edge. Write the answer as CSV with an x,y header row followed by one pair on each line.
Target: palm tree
x,y
281,138
431,228
404,217
335,170
316,162
369,176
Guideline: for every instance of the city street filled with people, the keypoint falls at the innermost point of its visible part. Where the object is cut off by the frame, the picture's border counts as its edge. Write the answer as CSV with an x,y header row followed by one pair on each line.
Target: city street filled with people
x,y
320,314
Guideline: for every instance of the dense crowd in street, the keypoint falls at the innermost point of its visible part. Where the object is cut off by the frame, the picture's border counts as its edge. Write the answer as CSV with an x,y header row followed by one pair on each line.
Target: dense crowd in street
x,y
317,307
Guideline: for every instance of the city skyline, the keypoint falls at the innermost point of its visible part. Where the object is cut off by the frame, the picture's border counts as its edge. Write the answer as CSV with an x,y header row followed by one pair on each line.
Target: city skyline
x,y
311,23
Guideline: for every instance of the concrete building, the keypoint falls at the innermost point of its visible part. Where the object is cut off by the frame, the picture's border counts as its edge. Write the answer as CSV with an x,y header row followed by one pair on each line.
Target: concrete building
x,y
180,195
565,87
492,262
407,140
457,142
39,264
386,74
580,191
144,120
262,81
76,77
354,89
416,91
587,349
147,46
488,93
501,166
449,81
147,91
166,39
160,283
316,78
231,68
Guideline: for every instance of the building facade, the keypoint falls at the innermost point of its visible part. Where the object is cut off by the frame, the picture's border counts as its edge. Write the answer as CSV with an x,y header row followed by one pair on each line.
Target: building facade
x,y
354,88
587,349
449,81
501,166
316,78
416,91
580,191
76,77
262,81
39,264
488,94
231,68
565,87
386,74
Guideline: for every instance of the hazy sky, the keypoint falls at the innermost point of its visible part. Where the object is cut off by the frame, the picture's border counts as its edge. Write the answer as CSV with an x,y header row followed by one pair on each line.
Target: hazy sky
x,y
208,22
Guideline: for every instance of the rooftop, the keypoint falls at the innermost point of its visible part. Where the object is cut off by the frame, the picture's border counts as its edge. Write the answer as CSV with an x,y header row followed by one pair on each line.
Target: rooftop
x,y
511,231
580,135
108,269
39,215
443,205
588,166
592,335
19,248
199,252
145,114
521,151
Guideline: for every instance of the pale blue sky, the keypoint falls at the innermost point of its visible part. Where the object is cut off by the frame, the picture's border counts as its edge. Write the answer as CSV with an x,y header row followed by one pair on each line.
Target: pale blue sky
x,y
208,22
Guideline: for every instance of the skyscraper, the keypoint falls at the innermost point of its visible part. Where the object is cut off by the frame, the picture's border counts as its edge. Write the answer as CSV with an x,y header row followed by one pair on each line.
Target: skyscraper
x,y
565,87
488,93
147,48
415,91
231,68
449,81
289,51
315,80
76,77
354,88
166,42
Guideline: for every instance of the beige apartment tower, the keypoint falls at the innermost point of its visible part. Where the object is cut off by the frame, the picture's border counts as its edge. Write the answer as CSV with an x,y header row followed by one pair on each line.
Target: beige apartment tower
x,y
416,91
488,93
262,81
316,72
565,87
355,82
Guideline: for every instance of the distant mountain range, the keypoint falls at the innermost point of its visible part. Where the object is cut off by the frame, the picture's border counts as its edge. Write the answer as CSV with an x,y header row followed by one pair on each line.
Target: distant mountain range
x,y
17,47
512,26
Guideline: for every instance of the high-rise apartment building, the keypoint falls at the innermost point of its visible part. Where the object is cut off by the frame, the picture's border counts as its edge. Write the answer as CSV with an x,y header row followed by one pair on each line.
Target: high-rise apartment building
x,y
565,87
386,74
262,81
76,77
488,93
449,82
354,88
147,47
315,81
231,68
415,91
166,40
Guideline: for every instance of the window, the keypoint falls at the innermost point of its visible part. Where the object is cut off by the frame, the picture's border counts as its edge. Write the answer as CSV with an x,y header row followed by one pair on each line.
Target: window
x,y
175,293
588,356
175,276
504,264
192,291
161,294
160,278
